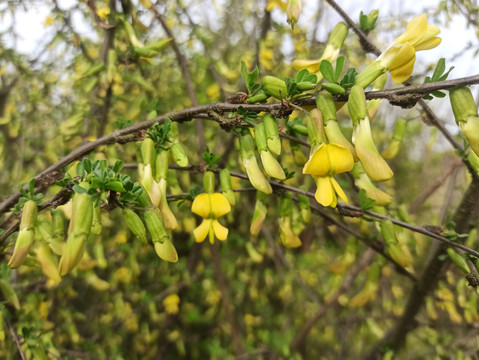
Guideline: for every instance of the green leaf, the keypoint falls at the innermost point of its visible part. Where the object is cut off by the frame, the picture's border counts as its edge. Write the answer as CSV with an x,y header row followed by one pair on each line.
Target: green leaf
x,y
334,89
349,78
118,166
305,76
250,78
79,190
210,159
115,186
291,87
365,202
339,67
440,68
31,186
327,70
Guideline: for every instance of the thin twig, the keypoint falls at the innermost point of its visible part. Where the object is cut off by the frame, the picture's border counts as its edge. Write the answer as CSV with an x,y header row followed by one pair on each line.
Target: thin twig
x,y
300,340
133,133
15,339
190,89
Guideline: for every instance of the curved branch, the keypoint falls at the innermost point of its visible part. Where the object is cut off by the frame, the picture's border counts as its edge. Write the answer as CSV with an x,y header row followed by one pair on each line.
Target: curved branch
x,y
133,133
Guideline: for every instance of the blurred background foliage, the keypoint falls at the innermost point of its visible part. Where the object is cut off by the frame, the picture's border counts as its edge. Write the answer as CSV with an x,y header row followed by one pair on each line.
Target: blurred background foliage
x,y
246,298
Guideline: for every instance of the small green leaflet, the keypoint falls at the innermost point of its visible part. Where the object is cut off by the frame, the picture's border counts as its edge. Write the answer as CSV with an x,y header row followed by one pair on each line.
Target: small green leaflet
x,y
437,76
250,78
365,202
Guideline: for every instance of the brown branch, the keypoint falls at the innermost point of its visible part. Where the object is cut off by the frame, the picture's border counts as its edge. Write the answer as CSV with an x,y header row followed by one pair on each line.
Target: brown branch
x,y
299,342
16,340
133,133
431,189
229,313
108,44
68,23
396,338
190,90
367,44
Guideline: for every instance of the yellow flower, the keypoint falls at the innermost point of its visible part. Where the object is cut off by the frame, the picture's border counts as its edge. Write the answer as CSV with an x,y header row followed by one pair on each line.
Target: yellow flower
x,y
331,52
399,58
48,21
326,161
171,304
210,207
103,12
276,3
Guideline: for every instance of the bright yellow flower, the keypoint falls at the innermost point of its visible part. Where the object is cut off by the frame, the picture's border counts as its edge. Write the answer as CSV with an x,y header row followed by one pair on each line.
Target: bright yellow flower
x,y
210,207
276,3
324,163
399,58
103,12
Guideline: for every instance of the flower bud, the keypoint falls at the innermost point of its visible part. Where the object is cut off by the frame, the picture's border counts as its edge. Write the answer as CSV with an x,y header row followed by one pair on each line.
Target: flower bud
x,y
57,241
135,224
226,186
465,112
369,74
275,87
272,134
179,154
458,260
362,181
152,216
293,11
305,208
209,182
375,166
298,155
47,261
72,253
387,231
374,104
271,165
166,251
168,217
338,35
161,165
98,284
26,234
96,223
398,134
253,171
288,237
259,215
357,105
148,151
315,127
9,293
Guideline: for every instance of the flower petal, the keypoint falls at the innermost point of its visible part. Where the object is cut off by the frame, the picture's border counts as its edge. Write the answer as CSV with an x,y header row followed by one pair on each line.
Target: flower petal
x,y
219,205
402,57
340,158
324,192
221,231
202,205
311,65
337,188
318,163
202,231
428,44
404,72
415,30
